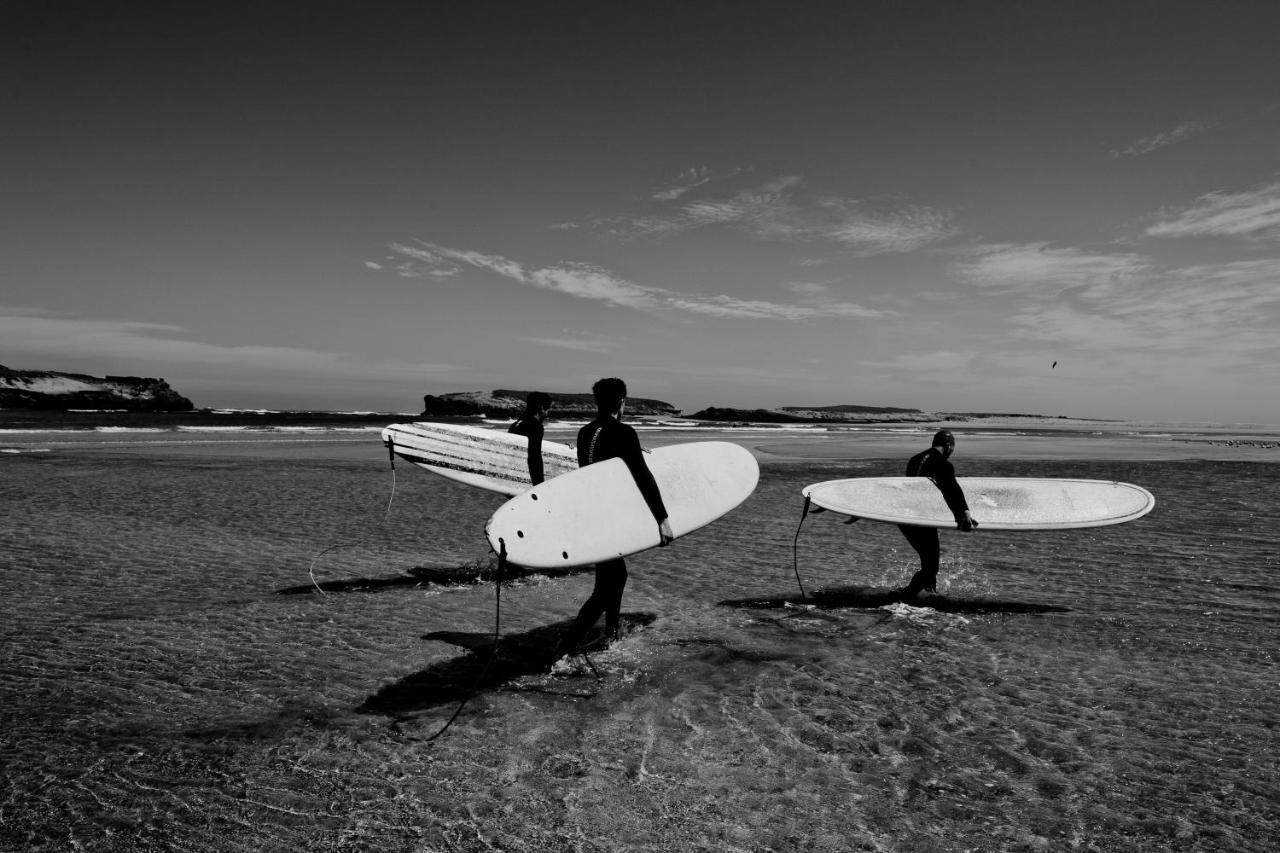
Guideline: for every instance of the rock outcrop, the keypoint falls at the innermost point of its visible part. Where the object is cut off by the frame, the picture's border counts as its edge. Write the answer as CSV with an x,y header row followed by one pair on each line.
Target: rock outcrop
x,y
506,403
816,414
52,390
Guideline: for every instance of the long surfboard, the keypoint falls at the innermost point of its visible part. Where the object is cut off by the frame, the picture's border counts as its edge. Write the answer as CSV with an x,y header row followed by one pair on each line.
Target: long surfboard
x,y
597,513
996,503
487,458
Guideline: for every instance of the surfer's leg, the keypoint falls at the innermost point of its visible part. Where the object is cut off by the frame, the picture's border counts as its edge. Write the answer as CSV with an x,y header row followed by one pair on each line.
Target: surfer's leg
x,y
588,614
615,579
606,598
925,542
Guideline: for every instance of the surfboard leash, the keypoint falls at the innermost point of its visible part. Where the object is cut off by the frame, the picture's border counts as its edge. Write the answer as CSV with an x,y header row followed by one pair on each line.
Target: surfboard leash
x,y
795,548
386,514
499,574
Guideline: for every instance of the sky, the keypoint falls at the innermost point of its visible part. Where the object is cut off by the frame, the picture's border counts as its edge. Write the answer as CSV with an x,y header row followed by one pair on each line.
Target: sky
x,y
1057,208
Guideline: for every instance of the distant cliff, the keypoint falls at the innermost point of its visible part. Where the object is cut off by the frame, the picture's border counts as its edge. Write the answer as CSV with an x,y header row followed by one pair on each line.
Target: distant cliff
x,y
51,390
505,403
802,414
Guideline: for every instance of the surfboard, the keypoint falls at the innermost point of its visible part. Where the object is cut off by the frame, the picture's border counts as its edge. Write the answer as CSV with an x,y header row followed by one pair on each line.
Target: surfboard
x,y
597,513
996,503
486,458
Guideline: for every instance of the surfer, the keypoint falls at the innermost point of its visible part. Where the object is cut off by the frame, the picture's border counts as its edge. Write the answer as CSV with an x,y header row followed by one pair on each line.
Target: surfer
x,y
607,437
935,464
536,408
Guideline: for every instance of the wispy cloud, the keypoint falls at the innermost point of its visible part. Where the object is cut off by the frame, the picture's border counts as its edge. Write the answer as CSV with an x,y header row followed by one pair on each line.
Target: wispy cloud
x,y
688,181
95,340
1223,315
785,209
1249,215
939,361
577,341
1037,268
588,281
1164,139
1126,311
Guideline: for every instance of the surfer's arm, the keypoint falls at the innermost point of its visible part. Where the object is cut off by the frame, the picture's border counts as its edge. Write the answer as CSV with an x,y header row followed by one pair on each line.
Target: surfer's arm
x,y
944,477
634,457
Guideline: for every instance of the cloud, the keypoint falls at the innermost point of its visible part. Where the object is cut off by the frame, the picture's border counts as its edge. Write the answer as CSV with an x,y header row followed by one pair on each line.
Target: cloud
x,y
808,288
1220,315
1147,144
588,281
577,341
686,181
940,361
43,336
784,209
1128,313
1036,268
1249,215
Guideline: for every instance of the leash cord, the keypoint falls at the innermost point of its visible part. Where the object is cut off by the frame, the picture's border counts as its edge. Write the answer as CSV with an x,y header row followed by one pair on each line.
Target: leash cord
x,y
795,548
497,634
311,570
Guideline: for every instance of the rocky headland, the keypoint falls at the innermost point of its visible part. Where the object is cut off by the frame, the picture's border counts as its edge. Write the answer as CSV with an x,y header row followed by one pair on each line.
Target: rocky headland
x,y
54,391
506,403
817,414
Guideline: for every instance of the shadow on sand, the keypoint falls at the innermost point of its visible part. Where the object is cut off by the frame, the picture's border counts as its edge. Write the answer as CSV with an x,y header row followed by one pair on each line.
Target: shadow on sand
x,y
464,575
870,597
486,666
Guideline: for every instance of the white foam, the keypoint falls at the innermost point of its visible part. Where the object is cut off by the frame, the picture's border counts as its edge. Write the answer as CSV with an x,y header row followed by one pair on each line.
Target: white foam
x,y
114,429
182,428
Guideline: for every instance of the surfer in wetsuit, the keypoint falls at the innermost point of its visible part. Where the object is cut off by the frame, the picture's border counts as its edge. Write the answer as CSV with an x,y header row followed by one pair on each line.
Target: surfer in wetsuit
x,y
536,408
935,464
607,437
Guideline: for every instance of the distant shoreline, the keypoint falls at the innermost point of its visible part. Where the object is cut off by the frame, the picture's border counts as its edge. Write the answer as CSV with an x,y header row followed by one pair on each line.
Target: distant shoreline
x,y
354,435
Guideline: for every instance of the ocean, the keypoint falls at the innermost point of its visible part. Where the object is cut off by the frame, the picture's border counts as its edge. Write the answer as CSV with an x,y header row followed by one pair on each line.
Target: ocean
x,y
235,641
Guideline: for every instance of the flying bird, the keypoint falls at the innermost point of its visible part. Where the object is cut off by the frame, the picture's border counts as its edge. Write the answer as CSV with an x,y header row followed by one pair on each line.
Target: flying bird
x,y
1055,364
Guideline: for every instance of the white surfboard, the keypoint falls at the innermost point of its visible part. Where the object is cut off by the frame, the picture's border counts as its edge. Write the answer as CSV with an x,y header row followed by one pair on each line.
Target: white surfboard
x,y
487,458
597,513
996,503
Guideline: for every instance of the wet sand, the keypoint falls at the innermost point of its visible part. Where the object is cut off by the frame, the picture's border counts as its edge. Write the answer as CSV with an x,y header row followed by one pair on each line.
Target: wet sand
x,y
174,680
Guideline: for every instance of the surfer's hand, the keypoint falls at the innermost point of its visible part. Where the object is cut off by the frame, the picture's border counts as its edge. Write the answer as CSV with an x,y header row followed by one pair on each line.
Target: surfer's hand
x,y
967,524
665,535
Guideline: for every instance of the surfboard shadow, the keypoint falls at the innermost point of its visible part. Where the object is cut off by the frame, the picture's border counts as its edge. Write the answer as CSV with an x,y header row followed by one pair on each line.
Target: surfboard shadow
x,y
447,576
486,666
871,597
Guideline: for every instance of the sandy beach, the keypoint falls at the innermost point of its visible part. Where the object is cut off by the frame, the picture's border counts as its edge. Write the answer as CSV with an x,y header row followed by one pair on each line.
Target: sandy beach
x,y
222,642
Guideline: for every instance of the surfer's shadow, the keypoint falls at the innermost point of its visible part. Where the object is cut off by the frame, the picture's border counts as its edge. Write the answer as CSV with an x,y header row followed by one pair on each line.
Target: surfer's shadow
x,y
487,666
855,597
468,574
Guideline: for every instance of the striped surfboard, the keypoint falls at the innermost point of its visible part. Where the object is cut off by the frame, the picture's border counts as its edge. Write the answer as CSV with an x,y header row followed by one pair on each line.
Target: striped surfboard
x,y
487,458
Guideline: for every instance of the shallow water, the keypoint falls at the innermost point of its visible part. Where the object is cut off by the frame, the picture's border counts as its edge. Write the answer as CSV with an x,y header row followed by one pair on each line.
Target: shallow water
x,y
173,679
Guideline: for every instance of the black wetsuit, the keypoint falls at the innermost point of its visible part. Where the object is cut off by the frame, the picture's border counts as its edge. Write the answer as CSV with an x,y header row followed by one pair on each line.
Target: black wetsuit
x,y
531,428
607,438
933,464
